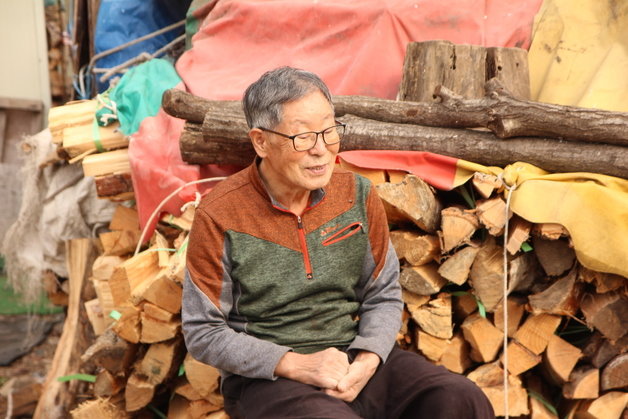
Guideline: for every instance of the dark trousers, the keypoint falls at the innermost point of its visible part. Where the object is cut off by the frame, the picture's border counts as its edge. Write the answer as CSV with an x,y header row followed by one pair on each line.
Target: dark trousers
x,y
406,386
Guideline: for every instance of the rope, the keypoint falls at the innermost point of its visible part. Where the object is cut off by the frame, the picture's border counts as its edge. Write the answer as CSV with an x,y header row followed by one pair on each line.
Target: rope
x,y
510,189
166,199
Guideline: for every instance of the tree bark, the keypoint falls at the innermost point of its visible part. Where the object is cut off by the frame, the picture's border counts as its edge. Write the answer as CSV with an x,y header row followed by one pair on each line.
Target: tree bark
x,y
226,142
499,111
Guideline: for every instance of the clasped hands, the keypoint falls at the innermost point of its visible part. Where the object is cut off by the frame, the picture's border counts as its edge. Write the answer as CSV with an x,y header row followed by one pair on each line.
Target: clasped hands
x,y
330,370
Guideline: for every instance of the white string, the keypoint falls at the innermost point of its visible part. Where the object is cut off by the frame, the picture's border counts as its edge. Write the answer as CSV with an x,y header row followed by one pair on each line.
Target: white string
x,y
166,199
510,189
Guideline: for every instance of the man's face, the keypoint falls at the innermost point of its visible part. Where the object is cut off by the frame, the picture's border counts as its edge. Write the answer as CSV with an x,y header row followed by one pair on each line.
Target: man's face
x,y
298,171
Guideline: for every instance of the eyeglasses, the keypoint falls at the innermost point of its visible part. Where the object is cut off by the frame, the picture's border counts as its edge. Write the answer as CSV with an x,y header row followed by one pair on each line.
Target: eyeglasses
x,y
307,140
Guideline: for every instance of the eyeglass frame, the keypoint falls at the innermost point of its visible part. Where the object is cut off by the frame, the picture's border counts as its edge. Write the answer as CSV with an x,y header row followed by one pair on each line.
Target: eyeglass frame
x,y
321,133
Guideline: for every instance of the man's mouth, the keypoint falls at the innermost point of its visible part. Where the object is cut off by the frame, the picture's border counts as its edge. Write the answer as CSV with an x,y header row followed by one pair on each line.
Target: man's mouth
x,y
317,170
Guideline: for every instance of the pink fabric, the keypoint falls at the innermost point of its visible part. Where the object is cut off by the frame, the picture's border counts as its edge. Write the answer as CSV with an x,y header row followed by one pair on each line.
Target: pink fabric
x,y
356,46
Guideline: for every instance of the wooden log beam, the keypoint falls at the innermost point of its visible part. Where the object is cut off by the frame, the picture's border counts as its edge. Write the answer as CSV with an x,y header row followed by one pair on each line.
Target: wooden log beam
x,y
499,111
226,142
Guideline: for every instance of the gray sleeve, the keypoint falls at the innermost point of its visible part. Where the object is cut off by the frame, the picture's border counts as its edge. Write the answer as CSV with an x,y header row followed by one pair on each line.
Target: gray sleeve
x,y
211,340
381,307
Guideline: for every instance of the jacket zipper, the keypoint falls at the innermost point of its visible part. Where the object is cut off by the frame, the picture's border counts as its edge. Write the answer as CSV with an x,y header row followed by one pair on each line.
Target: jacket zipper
x,y
306,256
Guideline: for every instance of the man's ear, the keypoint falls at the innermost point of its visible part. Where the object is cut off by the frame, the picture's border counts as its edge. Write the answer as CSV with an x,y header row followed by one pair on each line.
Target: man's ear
x,y
259,141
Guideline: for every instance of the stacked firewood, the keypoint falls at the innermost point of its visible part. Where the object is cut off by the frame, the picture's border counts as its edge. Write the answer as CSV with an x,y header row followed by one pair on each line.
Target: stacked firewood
x,y
101,150
566,325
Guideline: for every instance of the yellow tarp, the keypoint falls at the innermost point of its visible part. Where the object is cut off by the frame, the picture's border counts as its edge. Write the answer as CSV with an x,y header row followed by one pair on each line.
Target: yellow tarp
x,y
579,54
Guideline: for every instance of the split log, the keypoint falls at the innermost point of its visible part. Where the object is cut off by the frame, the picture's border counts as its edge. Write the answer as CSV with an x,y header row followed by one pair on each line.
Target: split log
x,y
556,256
124,218
98,408
107,384
161,361
80,139
604,282
485,184
58,397
110,162
549,231
520,358
584,383
415,248
119,242
519,232
536,332
607,313
223,140
104,265
457,267
455,357
96,316
484,338
159,290
492,215
431,347
516,309
522,272
110,352
600,350
457,227
487,274
538,410
608,406
138,393
615,374
560,358
154,330
70,115
464,305
422,280
489,378
118,187
128,326
185,389
435,317
411,200
202,377
132,272
562,297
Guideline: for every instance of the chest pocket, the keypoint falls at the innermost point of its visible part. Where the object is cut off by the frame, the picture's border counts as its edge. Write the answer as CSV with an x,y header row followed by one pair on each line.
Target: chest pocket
x,y
344,233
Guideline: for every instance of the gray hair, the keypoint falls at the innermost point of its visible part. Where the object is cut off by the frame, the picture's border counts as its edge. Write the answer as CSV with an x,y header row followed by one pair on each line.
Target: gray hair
x,y
264,99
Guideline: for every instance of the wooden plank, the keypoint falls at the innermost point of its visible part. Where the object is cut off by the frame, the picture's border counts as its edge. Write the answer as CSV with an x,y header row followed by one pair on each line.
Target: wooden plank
x,y
58,397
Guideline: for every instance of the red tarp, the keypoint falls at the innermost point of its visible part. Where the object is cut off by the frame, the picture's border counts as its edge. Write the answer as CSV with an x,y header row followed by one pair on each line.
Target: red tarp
x,y
356,46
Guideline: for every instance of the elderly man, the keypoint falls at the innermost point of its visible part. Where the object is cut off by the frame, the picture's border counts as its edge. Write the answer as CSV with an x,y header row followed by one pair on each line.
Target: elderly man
x,y
292,287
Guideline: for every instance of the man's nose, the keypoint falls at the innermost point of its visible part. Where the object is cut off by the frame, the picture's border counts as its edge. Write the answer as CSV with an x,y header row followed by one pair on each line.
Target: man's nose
x,y
319,146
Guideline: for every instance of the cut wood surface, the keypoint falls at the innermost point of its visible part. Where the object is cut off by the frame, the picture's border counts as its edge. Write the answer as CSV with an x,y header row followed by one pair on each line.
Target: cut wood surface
x,y
607,313
484,338
487,274
422,280
556,256
520,358
584,383
516,309
415,248
536,332
100,408
125,218
485,183
111,352
412,200
518,233
130,274
609,406
435,317
489,378
128,326
154,330
457,227
562,297
138,393
455,357
107,384
110,162
492,214
202,377
615,374
457,267
160,361
560,358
